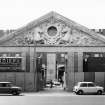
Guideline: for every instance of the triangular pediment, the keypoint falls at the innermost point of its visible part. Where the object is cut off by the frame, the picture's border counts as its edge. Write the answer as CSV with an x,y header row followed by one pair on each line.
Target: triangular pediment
x,y
53,29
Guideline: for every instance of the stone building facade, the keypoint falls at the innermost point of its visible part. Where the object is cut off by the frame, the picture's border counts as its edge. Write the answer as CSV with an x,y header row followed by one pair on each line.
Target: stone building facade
x,y
32,54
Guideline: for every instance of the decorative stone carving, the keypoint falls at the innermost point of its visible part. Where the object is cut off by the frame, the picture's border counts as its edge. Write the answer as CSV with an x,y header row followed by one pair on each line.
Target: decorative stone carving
x,y
55,32
82,39
52,33
25,39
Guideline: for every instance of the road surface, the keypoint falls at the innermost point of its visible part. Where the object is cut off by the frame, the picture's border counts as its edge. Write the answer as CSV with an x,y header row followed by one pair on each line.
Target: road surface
x,y
52,99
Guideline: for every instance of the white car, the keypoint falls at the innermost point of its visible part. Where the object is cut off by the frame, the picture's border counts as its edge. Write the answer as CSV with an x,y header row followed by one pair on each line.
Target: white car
x,y
56,83
87,87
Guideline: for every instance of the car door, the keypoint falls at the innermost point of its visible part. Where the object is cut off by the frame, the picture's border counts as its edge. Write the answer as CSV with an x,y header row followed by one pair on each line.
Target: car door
x,y
4,88
91,88
1,88
83,87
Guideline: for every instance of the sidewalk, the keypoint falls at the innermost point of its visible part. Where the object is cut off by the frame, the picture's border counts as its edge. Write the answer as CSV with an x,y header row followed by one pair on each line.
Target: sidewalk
x,y
57,91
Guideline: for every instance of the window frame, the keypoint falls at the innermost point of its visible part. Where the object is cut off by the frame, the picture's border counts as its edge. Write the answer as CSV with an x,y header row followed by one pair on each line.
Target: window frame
x,y
92,84
83,84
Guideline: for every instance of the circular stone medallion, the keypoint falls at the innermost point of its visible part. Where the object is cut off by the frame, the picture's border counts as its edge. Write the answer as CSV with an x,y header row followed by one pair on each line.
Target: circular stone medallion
x,y
52,31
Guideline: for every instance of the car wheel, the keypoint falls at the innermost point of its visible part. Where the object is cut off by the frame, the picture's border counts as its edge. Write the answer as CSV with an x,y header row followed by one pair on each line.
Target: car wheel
x,y
80,92
99,92
15,93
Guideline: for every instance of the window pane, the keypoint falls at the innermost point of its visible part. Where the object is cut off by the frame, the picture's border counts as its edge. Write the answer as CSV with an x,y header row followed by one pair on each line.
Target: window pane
x,y
83,85
90,85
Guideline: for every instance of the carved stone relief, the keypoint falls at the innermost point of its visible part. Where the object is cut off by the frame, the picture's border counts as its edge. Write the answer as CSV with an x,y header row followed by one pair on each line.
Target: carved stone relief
x,y
52,33
55,32
83,39
25,38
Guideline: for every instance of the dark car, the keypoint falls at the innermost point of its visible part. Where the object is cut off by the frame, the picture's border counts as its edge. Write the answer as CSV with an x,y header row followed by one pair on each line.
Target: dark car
x,y
9,88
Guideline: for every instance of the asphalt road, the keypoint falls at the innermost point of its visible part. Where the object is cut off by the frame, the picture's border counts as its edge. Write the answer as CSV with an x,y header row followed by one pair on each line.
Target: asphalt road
x,y
52,99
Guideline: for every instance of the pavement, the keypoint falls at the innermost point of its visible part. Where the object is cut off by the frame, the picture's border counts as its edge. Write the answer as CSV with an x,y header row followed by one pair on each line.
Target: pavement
x,y
58,91
55,91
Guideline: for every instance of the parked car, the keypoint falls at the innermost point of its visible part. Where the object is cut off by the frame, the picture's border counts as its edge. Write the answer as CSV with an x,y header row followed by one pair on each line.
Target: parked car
x,y
9,88
56,83
87,87
50,83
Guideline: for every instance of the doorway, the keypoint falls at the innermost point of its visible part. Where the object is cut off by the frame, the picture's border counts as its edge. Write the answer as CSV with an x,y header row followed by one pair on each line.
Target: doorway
x,y
53,67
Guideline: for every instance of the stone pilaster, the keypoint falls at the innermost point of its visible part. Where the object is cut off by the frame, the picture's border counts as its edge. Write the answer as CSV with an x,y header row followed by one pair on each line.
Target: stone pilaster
x,y
31,59
70,62
51,66
75,61
70,71
80,61
23,61
28,59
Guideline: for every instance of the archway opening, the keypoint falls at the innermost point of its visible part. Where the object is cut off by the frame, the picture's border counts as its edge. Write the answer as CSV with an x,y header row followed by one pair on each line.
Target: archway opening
x,y
52,71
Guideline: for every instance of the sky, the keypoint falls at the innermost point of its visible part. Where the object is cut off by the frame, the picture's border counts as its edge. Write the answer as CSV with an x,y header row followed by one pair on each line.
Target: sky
x,y
17,13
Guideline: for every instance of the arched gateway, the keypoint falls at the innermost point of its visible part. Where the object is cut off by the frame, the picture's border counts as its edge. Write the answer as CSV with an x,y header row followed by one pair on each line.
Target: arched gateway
x,y
51,48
